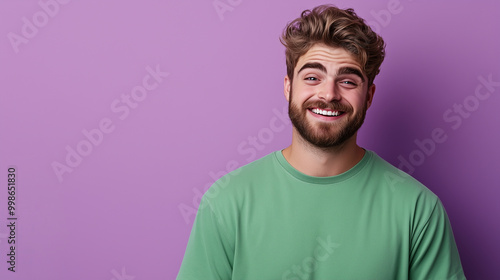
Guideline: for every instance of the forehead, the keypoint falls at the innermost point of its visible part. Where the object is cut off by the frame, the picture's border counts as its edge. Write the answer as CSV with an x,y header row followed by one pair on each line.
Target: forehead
x,y
330,57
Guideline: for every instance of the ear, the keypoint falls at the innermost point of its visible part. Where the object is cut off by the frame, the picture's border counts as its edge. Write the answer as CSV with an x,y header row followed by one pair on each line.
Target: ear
x,y
370,93
287,86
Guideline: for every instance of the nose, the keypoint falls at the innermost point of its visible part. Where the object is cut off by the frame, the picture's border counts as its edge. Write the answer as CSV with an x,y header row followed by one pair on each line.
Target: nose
x,y
329,92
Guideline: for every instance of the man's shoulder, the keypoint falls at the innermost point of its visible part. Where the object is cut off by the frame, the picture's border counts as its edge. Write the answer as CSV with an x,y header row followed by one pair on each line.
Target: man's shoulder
x,y
248,175
400,184
254,170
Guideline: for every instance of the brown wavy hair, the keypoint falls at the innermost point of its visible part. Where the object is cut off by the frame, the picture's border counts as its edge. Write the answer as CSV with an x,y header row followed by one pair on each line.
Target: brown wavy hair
x,y
333,27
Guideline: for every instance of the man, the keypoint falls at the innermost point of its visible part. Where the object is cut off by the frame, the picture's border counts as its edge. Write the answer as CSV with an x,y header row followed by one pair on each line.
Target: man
x,y
323,208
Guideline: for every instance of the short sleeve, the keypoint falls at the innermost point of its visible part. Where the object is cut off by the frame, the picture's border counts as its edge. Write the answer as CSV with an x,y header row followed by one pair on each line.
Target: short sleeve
x,y
434,254
209,253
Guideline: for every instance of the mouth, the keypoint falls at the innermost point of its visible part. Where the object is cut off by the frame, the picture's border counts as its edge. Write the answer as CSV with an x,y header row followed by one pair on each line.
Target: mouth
x,y
326,112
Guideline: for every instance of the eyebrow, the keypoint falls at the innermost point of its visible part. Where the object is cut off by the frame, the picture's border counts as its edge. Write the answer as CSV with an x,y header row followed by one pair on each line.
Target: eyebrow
x,y
313,65
341,71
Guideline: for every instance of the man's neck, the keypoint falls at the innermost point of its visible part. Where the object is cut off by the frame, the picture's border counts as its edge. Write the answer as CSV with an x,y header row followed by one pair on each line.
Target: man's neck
x,y
321,162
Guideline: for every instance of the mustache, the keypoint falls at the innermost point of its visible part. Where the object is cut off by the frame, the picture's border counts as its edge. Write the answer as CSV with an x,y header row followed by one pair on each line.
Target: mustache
x,y
334,106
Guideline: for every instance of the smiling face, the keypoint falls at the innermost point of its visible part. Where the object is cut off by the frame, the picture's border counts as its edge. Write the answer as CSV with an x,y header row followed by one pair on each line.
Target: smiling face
x,y
328,96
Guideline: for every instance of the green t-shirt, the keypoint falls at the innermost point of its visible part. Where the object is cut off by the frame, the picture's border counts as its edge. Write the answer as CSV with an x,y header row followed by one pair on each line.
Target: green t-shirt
x,y
266,220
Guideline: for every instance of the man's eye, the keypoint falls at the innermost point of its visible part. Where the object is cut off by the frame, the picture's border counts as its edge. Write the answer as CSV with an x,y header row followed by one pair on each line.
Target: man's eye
x,y
349,83
311,79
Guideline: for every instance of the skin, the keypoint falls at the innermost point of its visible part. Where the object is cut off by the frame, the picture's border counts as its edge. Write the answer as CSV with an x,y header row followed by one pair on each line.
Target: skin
x,y
312,85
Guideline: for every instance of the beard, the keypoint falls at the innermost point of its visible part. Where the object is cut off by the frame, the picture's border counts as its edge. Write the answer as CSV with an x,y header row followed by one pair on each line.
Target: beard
x,y
326,134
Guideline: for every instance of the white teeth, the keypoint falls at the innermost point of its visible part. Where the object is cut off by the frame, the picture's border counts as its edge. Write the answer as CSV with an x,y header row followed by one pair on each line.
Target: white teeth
x,y
325,112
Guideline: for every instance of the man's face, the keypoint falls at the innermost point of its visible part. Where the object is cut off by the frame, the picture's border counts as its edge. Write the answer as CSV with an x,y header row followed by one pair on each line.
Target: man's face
x,y
328,96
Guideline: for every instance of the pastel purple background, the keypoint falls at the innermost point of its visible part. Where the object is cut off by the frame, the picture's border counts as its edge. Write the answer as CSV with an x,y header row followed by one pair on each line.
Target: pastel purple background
x,y
116,215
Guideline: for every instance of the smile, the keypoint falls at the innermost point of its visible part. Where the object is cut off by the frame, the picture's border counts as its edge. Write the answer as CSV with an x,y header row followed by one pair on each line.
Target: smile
x,y
327,113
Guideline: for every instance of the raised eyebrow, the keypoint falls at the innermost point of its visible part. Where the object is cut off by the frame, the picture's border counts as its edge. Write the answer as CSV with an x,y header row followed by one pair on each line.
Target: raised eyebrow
x,y
350,70
313,65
